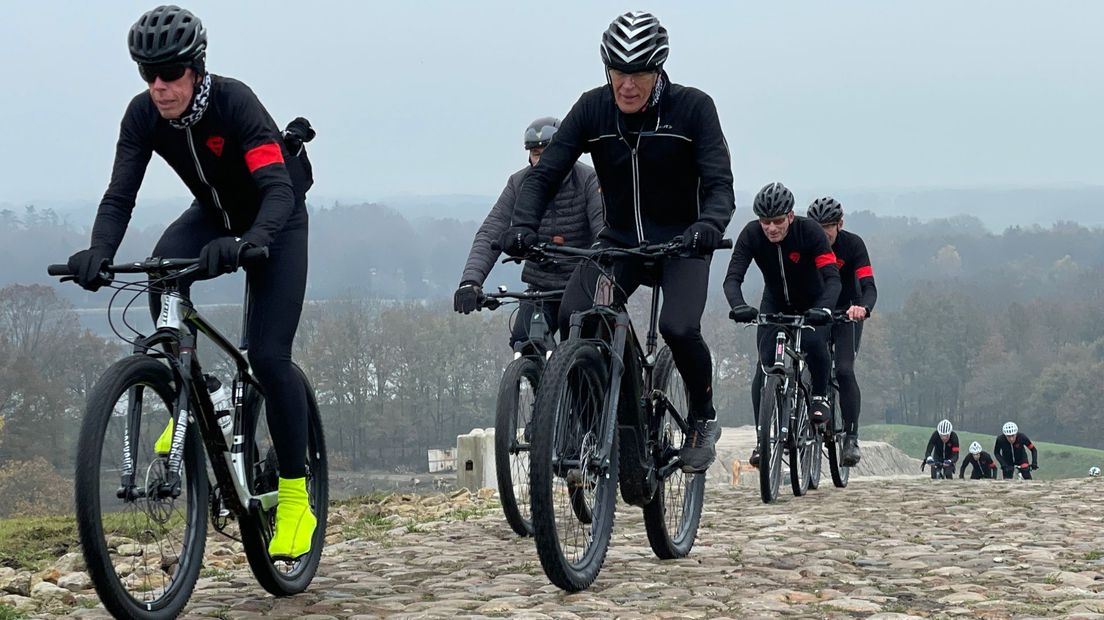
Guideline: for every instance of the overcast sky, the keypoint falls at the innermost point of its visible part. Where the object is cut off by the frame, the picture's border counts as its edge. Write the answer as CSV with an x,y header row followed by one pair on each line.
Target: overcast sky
x,y
432,97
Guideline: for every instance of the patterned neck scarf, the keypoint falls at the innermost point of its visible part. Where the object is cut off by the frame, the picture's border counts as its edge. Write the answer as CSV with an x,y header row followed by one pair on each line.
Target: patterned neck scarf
x,y
198,106
657,92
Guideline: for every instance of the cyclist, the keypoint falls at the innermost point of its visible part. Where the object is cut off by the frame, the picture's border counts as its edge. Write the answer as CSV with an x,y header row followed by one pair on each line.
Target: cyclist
x,y
664,168
800,276
1011,451
573,219
857,299
983,465
220,140
942,450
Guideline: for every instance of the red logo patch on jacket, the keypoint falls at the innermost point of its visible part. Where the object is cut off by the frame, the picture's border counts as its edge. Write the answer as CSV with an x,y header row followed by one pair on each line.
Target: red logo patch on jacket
x,y
215,143
839,264
795,256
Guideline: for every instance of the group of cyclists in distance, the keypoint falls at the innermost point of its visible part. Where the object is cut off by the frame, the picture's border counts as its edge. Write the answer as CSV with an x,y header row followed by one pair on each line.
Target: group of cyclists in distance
x,y
662,175
1010,451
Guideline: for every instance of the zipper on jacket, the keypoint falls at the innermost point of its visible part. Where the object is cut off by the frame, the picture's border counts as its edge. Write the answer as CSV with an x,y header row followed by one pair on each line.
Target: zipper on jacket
x,y
199,170
782,269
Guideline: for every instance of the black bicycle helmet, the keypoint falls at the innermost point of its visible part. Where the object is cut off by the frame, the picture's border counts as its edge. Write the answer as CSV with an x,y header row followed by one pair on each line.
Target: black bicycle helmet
x,y
773,200
167,35
540,132
635,42
826,210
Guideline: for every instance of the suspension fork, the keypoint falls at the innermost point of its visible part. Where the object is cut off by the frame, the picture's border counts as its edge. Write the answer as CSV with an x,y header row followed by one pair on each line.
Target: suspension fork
x,y
621,331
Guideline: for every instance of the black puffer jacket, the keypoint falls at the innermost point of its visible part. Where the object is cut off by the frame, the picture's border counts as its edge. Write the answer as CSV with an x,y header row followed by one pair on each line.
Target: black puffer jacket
x,y
575,214
661,170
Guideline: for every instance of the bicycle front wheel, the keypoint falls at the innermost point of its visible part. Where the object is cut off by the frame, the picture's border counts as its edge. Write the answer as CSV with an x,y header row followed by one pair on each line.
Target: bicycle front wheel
x,y
772,438
573,489
671,518
513,429
801,444
281,577
142,536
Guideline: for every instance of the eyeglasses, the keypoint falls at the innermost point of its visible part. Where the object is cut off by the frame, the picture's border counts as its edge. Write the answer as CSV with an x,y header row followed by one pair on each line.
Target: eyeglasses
x,y
639,78
167,73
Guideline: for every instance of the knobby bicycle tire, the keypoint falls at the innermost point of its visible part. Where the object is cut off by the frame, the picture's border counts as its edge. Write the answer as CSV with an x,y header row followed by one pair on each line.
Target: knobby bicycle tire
x,y
129,378
569,407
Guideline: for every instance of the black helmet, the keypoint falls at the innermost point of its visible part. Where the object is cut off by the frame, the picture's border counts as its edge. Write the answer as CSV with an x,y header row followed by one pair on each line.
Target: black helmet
x,y
167,34
773,200
635,42
540,132
826,210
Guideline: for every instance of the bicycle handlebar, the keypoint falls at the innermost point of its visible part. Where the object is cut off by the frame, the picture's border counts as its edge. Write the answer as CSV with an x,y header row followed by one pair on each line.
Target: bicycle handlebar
x,y
795,320
544,251
492,301
155,264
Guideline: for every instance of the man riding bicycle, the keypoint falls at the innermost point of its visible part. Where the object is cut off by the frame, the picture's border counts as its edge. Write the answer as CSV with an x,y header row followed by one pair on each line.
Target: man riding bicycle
x,y
942,451
664,168
857,299
800,276
982,465
249,192
1011,450
574,219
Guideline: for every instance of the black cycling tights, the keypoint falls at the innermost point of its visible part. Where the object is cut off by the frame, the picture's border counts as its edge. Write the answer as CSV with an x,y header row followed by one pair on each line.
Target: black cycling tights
x,y
685,283
848,336
276,288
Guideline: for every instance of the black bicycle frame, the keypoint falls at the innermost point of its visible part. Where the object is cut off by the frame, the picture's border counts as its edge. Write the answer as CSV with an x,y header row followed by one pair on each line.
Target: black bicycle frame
x,y
622,344
178,325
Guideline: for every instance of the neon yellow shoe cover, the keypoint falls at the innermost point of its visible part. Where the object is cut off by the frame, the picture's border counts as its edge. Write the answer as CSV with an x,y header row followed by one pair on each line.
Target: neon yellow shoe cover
x,y
164,442
295,523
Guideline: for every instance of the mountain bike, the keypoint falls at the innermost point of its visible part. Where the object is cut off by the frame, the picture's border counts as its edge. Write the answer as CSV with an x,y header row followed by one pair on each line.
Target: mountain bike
x,y
142,516
514,412
940,471
783,425
609,411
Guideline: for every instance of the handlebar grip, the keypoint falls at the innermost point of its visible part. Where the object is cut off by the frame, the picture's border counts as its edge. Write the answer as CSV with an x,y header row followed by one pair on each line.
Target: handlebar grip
x,y
58,270
725,244
255,253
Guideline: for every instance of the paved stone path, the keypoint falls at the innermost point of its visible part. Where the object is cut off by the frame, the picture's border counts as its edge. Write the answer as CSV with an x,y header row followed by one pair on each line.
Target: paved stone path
x,y
886,548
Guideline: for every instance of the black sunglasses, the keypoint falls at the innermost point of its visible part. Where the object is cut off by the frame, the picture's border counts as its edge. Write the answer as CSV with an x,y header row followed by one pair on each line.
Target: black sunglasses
x,y
167,73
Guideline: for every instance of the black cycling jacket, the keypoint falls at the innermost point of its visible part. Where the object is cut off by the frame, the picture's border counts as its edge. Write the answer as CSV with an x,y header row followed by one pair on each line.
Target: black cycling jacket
x,y
660,170
1014,454
232,160
856,274
942,451
799,272
982,467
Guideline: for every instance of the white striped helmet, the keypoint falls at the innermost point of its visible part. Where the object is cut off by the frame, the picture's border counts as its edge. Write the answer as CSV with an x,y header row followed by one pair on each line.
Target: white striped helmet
x,y
635,42
1010,428
944,427
975,448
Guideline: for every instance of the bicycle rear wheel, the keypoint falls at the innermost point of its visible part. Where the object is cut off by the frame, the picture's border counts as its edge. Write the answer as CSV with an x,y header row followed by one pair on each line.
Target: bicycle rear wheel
x,y
277,576
834,446
573,494
513,418
801,444
671,518
771,438
143,544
